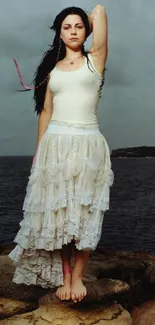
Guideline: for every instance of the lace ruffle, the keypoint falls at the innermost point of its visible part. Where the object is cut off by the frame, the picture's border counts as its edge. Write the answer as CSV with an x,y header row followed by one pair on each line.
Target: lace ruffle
x,y
73,168
37,267
52,230
66,197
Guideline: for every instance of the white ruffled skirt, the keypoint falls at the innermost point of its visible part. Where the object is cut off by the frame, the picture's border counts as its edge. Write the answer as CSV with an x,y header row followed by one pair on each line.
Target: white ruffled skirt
x,y
66,197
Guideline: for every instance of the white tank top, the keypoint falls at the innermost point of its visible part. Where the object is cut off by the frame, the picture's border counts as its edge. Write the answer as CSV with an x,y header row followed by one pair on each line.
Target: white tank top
x,y
76,94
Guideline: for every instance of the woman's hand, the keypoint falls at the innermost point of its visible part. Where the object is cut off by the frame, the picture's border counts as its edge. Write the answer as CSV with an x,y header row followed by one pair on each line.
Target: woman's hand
x,y
34,159
93,14
90,19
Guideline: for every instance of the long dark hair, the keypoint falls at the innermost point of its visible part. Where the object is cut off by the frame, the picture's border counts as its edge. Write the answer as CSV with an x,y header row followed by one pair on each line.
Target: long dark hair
x,y
49,58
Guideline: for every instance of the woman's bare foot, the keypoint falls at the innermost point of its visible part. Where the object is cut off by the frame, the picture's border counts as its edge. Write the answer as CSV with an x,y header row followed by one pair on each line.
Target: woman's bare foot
x,y
64,291
78,290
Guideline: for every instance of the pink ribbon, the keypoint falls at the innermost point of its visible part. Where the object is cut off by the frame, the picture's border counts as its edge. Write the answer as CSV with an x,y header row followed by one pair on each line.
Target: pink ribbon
x,y
26,87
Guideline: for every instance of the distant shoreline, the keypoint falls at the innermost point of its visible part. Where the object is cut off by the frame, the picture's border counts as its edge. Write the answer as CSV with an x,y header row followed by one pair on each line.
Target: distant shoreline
x,y
134,152
131,152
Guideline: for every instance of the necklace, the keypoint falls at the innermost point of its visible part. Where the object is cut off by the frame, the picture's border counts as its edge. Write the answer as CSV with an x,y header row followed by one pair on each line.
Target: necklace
x,y
72,61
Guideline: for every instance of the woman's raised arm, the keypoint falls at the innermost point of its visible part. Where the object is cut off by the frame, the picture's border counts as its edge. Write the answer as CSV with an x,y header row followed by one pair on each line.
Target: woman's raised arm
x,y
99,28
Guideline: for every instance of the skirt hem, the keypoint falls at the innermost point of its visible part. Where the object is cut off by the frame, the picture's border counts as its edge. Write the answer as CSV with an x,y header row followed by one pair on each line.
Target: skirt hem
x,y
66,197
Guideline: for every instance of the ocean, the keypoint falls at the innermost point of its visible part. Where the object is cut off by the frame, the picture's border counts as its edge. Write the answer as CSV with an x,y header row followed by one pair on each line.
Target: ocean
x,y
128,225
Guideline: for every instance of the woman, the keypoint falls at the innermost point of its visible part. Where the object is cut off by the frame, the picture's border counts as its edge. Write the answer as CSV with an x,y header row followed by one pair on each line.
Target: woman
x,y
68,188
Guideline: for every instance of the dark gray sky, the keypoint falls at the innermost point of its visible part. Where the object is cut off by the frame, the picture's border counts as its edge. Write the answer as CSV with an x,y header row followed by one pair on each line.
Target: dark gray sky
x,y
127,107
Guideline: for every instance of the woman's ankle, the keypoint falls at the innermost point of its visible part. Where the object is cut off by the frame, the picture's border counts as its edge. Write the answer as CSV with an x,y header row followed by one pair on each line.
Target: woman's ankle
x,y
67,270
67,278
67,273
77,276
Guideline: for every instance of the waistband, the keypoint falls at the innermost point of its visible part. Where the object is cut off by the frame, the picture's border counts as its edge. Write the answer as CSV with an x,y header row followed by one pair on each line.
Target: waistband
x,y
58,127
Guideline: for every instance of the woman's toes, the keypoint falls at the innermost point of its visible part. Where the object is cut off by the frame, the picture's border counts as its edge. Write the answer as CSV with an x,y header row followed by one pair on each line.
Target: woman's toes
x,y
76,298
79,290
73,297
57,294
80,297
63,292
63,297
67,296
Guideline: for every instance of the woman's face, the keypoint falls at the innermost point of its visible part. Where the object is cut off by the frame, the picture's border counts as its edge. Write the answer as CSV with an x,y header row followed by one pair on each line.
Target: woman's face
x,y
73,27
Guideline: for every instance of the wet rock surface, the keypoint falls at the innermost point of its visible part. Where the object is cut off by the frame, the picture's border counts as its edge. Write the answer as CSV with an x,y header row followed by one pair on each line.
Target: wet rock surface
x,y
117,283
144,314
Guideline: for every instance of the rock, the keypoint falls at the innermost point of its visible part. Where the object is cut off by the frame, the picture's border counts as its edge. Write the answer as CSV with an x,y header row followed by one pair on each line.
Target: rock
x,y
6,248
60,313
144,314
126,266
111,276
96,290
9,289
137,269
143,151
103,289
9,307
150,274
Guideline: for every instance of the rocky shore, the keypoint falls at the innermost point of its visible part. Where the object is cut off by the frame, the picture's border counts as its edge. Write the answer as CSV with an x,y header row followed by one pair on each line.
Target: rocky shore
x,y
120,286
143,151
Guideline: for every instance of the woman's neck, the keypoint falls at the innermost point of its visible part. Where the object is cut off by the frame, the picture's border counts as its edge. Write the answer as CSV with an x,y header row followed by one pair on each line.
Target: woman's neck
x,y
72,55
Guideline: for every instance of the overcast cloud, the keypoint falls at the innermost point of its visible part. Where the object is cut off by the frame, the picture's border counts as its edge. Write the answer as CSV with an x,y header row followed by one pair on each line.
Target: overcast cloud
x,y
127,107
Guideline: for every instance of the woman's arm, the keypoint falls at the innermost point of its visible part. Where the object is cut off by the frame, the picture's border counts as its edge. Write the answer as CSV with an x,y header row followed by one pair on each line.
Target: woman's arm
x,y
99,28
45,115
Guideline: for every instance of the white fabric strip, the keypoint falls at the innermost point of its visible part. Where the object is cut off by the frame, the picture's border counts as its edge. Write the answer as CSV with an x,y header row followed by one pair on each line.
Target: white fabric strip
x,y
64,129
